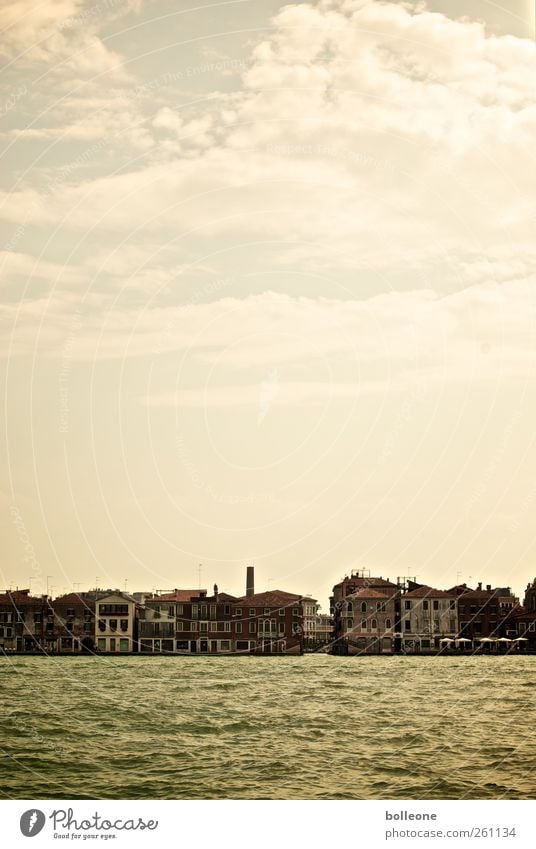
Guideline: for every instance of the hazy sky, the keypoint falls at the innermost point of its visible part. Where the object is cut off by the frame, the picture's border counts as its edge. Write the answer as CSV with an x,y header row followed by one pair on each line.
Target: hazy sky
x,y
267,292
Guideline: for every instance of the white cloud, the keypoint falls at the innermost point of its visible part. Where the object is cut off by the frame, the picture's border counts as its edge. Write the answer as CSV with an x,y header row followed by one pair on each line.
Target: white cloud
x,y
379,135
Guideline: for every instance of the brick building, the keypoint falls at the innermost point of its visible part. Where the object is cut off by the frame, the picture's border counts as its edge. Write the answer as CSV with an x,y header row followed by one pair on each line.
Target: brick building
x,y
486,614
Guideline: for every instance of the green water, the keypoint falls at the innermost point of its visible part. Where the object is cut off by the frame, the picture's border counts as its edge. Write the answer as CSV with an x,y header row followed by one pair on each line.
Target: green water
x,y
312,727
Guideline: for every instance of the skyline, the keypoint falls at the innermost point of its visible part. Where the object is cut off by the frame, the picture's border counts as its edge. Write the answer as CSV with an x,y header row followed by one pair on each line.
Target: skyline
x,y
267,292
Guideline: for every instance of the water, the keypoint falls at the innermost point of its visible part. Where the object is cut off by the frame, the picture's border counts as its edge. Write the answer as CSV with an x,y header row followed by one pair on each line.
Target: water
x,y
312,727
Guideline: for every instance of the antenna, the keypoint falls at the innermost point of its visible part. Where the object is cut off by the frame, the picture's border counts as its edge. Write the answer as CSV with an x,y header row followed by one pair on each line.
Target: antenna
x,y
199,570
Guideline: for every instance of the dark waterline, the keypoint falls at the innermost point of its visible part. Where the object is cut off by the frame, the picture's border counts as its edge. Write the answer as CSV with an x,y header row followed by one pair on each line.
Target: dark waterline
x,y
291,728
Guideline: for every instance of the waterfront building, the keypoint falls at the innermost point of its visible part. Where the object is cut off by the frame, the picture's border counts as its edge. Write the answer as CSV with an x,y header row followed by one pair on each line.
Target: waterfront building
x,y
271,622
486,614
23,619
428,619
198,623
364,622
318,630
73,619
116,623
524,620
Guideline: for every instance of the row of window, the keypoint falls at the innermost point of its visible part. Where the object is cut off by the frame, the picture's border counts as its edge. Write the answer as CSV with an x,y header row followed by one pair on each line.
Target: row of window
x,y
372,627
111,624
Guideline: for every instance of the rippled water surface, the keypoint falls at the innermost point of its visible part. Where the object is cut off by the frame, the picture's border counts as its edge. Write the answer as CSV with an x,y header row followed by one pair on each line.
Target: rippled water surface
x,y
312,727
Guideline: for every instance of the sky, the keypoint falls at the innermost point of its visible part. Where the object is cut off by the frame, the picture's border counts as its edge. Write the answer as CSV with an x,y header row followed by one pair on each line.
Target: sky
x,y
267,293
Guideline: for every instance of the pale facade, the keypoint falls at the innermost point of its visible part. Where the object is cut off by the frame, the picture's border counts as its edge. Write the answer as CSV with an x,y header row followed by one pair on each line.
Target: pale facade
x,y
427,617
115,624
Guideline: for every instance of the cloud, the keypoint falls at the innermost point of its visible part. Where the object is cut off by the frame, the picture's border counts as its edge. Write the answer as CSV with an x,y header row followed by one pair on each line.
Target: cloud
x,y
376,134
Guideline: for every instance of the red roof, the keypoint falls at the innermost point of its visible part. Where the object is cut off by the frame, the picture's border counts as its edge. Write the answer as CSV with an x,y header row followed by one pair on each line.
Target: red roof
x,y
19,596
177,595
365,592
428,592
271,598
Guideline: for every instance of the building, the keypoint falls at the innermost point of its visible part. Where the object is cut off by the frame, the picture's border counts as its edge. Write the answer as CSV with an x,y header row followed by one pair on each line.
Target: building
x,y
365,623
116,624
486,615
271,622
428,619
23,621
187,622
524,620
318,631
73,619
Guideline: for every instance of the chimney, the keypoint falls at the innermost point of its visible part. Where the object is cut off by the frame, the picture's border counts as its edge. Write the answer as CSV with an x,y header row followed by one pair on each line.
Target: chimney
x,y
250,581
215,592
488,587
480,585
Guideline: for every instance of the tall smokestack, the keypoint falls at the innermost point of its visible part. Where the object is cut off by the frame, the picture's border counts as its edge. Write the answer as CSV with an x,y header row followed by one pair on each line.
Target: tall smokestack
x,y
250,581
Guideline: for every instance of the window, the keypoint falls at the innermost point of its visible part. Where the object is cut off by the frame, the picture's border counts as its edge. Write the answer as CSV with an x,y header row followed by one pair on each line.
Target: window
x,y
102,625
252,627
227,626
252,611
203,627
349,607
213,626
281,627
363,607
436,604
452,625
225,645
531,626
195,611
101,644
87,627
112,643
242,645
123,644
226,609
452,604
374,624
387,623
407,625
282,611
295,611
182,645
238,628
70,611
179,626
38,618
349,624
203,611
363,624
407,605
238,611
212,611
194,626
113,624
378,605
266,611
180,609
113,609
425,604
124,624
